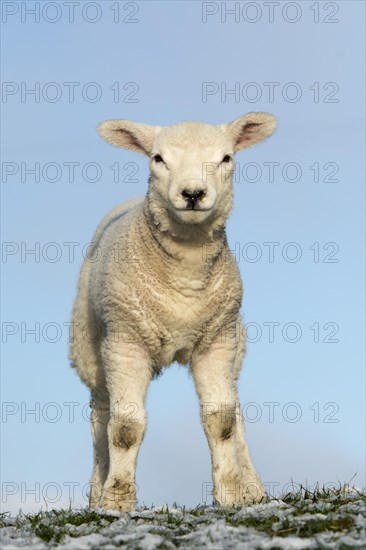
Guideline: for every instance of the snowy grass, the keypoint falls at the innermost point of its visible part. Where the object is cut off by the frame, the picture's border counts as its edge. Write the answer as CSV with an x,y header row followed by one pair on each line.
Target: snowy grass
x,y
324,519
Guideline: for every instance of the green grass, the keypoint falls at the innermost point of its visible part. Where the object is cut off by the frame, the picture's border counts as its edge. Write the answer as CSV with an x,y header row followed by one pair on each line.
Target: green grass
x,y
56,524
303,514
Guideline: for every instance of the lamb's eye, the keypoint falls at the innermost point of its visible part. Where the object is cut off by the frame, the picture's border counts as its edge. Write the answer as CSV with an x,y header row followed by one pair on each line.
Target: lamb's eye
x,y
158,158
227,158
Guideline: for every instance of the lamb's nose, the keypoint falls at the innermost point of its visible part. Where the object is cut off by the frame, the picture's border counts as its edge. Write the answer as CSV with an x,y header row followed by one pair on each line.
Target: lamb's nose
x,y
192,197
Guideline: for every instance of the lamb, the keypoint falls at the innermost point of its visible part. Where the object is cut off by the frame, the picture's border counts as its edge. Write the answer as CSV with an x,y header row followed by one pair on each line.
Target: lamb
x,y
160,285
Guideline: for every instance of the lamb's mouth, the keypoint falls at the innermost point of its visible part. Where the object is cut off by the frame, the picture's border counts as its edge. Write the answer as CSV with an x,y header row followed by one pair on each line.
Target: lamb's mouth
x,y
194,208
195,215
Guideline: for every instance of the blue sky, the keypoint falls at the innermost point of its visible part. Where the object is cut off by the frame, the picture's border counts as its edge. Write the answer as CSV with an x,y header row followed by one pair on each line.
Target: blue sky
x,y
158,70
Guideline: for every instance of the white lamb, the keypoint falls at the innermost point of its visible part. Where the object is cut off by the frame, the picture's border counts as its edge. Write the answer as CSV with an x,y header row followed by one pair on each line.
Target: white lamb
x,y
160,285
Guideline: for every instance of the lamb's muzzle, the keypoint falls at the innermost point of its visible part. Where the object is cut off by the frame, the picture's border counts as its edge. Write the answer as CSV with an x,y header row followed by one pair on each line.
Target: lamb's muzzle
x,y
193,197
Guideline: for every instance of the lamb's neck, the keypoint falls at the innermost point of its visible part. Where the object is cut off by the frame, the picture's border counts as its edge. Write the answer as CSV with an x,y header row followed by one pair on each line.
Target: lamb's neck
x,y
198,250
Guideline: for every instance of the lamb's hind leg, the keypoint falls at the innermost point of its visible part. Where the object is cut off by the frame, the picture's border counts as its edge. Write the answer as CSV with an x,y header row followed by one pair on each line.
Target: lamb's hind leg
x,y
85,358
128,373
99,425
87,361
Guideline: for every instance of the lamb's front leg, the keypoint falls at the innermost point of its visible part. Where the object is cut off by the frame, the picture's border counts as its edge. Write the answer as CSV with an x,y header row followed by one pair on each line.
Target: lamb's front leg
x,y
214,375
128,373
253,487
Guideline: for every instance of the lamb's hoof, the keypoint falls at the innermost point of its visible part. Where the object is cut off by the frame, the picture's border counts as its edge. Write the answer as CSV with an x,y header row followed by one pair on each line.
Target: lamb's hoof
x,y
95,495
119,506
251,492
118,495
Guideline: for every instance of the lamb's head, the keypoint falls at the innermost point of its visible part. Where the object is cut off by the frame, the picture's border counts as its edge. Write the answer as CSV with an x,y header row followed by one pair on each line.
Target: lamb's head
x,y
191,166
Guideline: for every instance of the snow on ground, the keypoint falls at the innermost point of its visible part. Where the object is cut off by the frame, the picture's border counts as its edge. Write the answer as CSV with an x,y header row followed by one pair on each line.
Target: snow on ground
x,y
334,522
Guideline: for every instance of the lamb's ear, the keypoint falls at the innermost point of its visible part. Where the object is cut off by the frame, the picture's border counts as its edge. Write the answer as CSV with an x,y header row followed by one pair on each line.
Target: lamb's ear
x,y
250,129
130,135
